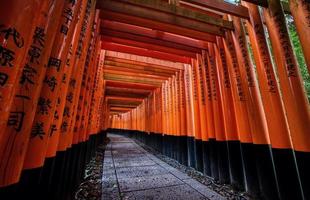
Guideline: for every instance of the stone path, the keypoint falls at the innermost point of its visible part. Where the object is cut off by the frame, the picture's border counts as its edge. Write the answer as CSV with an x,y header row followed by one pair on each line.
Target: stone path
x,y
130,172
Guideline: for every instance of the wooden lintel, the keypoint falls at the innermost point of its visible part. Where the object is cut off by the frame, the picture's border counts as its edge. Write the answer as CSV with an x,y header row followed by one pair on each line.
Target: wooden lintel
x,y
144,52
180,11
154,34
147,45
148,40
221,6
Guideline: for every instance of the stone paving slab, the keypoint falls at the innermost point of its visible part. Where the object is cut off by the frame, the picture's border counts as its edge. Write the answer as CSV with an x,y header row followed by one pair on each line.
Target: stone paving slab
x,y
207,192
140,171
179,192
147,182
130,172
134,162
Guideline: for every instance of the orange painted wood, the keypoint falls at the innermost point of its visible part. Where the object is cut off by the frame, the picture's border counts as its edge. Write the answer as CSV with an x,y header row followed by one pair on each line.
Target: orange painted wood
x,y
17,25
182,101
154,34
48,98
216,95
293,94
275,114
238,94
190,124
199,120
208,91
258,120
144,52
68,122
228,104
61,110
17,132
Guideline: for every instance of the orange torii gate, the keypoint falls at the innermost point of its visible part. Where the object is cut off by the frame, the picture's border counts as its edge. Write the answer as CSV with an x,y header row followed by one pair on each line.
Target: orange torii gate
x,y
211,84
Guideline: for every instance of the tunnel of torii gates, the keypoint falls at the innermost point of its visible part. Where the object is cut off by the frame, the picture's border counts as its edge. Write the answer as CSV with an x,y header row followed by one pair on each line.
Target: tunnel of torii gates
x,y
176,75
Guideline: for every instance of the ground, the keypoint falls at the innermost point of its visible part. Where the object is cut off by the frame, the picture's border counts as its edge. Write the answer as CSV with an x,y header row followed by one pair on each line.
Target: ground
x,y
130,172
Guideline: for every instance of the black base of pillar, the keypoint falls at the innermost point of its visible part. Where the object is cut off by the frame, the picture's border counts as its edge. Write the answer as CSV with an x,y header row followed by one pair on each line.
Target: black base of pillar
x,y
191,152
183,149
249,166
213,159
223,165
235,164
266,172
206,158
199,156
287,175
303,161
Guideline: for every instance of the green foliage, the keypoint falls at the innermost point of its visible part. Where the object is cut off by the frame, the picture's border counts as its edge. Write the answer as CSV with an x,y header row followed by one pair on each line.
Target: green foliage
x,y
299,54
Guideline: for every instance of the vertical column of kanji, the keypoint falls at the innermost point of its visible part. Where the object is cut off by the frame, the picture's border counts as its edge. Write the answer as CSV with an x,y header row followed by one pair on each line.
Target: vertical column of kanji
x,y
197,128
176,104
230,124
106,116
199,123
177,100
89,88
218,114
300,9
293,94
16,134
169,129
101,112
210,166
169,120
177,116
96,96
54,131
182,99
164,107
276,118
17,25
153,112
159,110
256,112
172,118
202,97
214,115
48,98
80,98
190,116
172,111
163,116
183,131
167,108
95,66
175,128
240,102
158,123
147,113
74,90
155,123
204,113
208,91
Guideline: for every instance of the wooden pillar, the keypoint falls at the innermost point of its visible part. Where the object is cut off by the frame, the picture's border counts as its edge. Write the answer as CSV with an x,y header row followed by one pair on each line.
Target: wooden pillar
x,y
293,94
18,20
48,98
64,84
17,132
